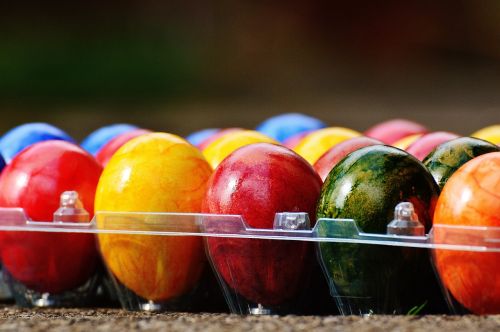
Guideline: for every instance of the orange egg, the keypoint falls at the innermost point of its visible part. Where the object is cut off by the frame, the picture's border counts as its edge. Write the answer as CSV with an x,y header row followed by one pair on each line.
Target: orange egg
x,y
471,197
152,173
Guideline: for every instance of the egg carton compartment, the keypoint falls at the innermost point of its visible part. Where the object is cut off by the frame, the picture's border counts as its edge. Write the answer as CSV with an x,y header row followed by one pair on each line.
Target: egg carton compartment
x,y
159,261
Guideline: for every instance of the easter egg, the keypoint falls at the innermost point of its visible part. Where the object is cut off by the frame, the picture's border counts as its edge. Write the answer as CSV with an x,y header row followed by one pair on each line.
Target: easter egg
x,y
283,126
207,141
490,134
20,137
109,149
314,145
225,145
256,182
470,198
366,186
424,145
199,136
155,172
450,156
325,164
34,181
97,139
393,130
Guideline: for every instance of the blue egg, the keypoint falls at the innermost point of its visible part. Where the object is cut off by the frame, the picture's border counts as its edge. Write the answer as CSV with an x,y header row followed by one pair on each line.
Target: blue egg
x,y
20,137
97,139
283,126
199,136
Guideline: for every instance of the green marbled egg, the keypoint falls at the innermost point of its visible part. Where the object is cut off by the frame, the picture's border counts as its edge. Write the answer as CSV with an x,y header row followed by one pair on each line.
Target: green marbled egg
x,y
445,159
366,186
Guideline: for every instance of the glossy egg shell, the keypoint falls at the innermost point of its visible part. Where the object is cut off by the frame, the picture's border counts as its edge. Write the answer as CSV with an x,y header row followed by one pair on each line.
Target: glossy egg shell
x,y
256,182
446,158
20,137
155,172
34,181
471,198
366,186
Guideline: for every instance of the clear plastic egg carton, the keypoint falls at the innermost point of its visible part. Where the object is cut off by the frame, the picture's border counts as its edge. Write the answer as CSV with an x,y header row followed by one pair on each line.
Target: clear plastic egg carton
x,y
161,262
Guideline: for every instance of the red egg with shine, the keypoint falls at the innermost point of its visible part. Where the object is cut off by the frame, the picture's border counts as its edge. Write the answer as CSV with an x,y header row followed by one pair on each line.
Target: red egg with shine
x,y
34,181
256,182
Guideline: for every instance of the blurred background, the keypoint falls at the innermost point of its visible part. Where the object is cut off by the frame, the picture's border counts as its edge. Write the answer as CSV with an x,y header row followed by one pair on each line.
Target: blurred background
x,y
179,66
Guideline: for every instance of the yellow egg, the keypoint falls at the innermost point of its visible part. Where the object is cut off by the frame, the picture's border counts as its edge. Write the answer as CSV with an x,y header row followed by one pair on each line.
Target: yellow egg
x,y
314,145
155,172
406,141
490,134
219,149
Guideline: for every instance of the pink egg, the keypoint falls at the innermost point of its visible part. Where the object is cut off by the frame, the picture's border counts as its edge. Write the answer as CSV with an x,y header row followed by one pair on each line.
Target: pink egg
x,y
428,142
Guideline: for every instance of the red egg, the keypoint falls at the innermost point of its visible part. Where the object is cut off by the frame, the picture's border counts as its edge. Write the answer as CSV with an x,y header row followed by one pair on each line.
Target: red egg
x,y
325,164
428,142
256,182
34,181
393,130
109,149
471,198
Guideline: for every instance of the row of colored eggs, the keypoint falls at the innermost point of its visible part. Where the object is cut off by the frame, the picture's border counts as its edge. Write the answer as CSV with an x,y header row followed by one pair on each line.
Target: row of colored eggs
x,y
308,136
119,187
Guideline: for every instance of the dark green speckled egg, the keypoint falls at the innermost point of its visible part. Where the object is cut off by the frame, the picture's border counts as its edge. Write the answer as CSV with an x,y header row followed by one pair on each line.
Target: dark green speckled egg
x,y
370,182
368,278
450,156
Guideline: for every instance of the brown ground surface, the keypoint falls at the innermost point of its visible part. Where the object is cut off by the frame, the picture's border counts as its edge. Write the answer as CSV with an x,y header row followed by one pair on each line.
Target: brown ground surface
x,y
15,319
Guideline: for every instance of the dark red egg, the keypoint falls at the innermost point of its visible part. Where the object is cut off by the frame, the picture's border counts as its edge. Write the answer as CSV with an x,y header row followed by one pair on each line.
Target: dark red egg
x,y
256,182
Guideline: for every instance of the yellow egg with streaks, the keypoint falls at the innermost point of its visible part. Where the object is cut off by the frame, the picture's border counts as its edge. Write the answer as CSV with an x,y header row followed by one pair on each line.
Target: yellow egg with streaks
x,y
155,172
